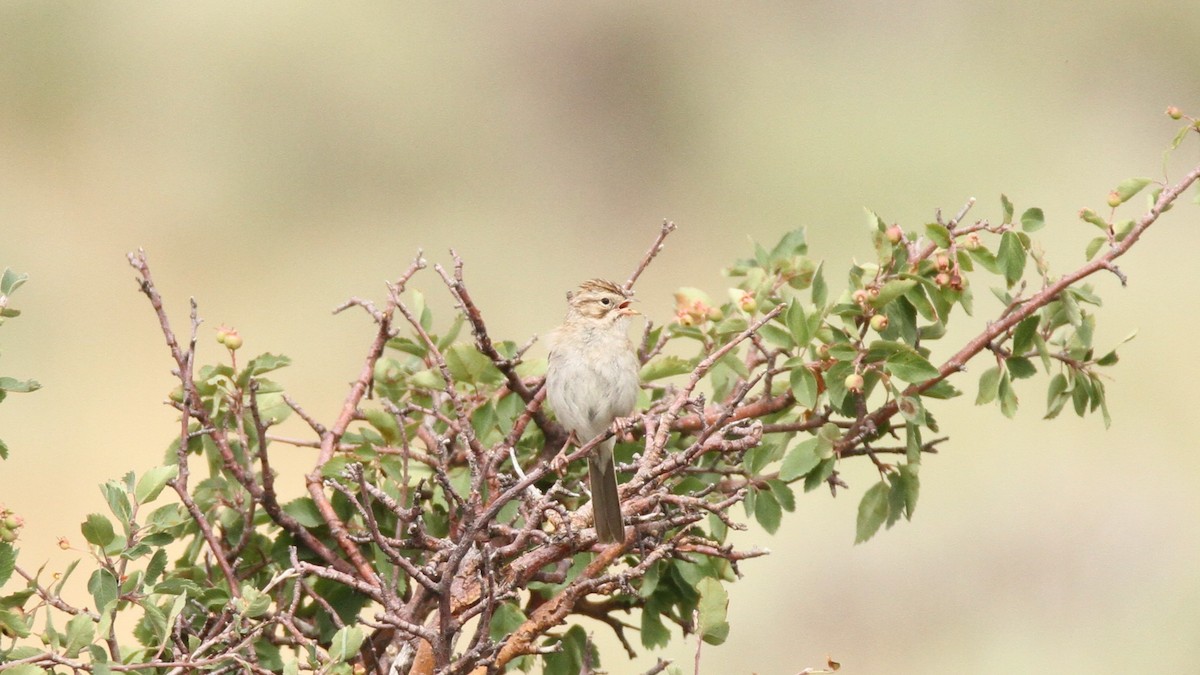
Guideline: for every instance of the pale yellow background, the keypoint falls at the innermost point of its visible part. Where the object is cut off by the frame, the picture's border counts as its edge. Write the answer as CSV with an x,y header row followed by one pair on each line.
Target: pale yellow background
x,y
275,158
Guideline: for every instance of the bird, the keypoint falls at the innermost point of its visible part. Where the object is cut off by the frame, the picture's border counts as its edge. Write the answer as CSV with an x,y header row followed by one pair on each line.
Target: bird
x,y
592,382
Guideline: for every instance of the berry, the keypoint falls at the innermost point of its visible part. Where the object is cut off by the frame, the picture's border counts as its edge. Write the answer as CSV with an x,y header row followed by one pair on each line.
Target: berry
x,y
879,323
854,382
1174,113
1114,199
895,234
942,279
943,261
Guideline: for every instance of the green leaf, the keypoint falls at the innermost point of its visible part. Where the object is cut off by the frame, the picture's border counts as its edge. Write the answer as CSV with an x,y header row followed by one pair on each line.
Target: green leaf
x,y
18,386
1130,187
1011,256
1033,220
103,587
872,511
304,510
11,281
1090,216
910,367
384,422
767,511
98,530
1093,247
1008,208
345,643
712,611
797,322
892,290
800,460
1008,397
938,234
804,385
153,481
427,379
1056,395
654,633
777,336
665,366
783,494
80,633
468,364
13,624
8,561
907,487
1020,367
506,619
820,291
1023,335
989,386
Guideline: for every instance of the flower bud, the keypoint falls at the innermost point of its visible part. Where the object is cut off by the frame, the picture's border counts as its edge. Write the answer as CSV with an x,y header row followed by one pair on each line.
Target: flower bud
x,y
1114,199
1174,113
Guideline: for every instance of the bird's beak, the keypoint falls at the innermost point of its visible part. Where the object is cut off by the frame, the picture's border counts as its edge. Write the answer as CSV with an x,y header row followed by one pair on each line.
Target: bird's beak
x,y
626,308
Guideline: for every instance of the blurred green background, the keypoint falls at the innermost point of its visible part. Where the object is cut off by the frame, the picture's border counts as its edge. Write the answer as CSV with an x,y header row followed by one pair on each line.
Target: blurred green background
x,y
276,158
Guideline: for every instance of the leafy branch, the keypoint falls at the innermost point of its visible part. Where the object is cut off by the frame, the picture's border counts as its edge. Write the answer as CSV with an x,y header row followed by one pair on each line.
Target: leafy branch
x,y
433,537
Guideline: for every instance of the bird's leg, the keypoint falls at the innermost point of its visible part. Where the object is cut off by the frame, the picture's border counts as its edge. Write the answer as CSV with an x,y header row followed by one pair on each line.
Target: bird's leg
x,y
621,427
559,462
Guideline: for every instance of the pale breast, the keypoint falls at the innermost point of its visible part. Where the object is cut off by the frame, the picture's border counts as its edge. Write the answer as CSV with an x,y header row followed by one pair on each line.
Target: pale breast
x,y
591,380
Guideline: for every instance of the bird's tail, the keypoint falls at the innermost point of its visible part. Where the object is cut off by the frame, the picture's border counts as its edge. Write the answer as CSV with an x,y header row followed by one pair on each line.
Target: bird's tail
x,y
606,504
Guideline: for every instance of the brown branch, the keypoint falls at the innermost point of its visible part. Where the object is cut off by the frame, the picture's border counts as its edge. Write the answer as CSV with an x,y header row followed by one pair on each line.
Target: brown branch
x,y
667,228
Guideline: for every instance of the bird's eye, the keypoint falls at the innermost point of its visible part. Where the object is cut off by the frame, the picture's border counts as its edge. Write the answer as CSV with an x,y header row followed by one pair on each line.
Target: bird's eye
x,y
606,301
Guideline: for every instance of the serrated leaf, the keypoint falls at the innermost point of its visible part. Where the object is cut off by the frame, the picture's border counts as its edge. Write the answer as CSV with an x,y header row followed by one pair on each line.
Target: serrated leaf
x,y
1020,368
304,511
1008,208
783,494
712,611
98,530
800,460
153,481
1008,397
989,386
797,322
665,366
892,290
776,336
468,364
804,386
938,234
1130,187
767,511
103,587
8,561
506,619
820,291
11,623
1023,335
872,511
910,367
1011,256
80,633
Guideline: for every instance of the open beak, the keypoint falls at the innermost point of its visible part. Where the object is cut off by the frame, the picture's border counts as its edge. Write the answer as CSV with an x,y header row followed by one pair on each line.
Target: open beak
x,y
626,308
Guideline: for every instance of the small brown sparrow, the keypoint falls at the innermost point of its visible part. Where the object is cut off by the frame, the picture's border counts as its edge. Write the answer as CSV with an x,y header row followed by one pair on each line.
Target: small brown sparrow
x,y
592,380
